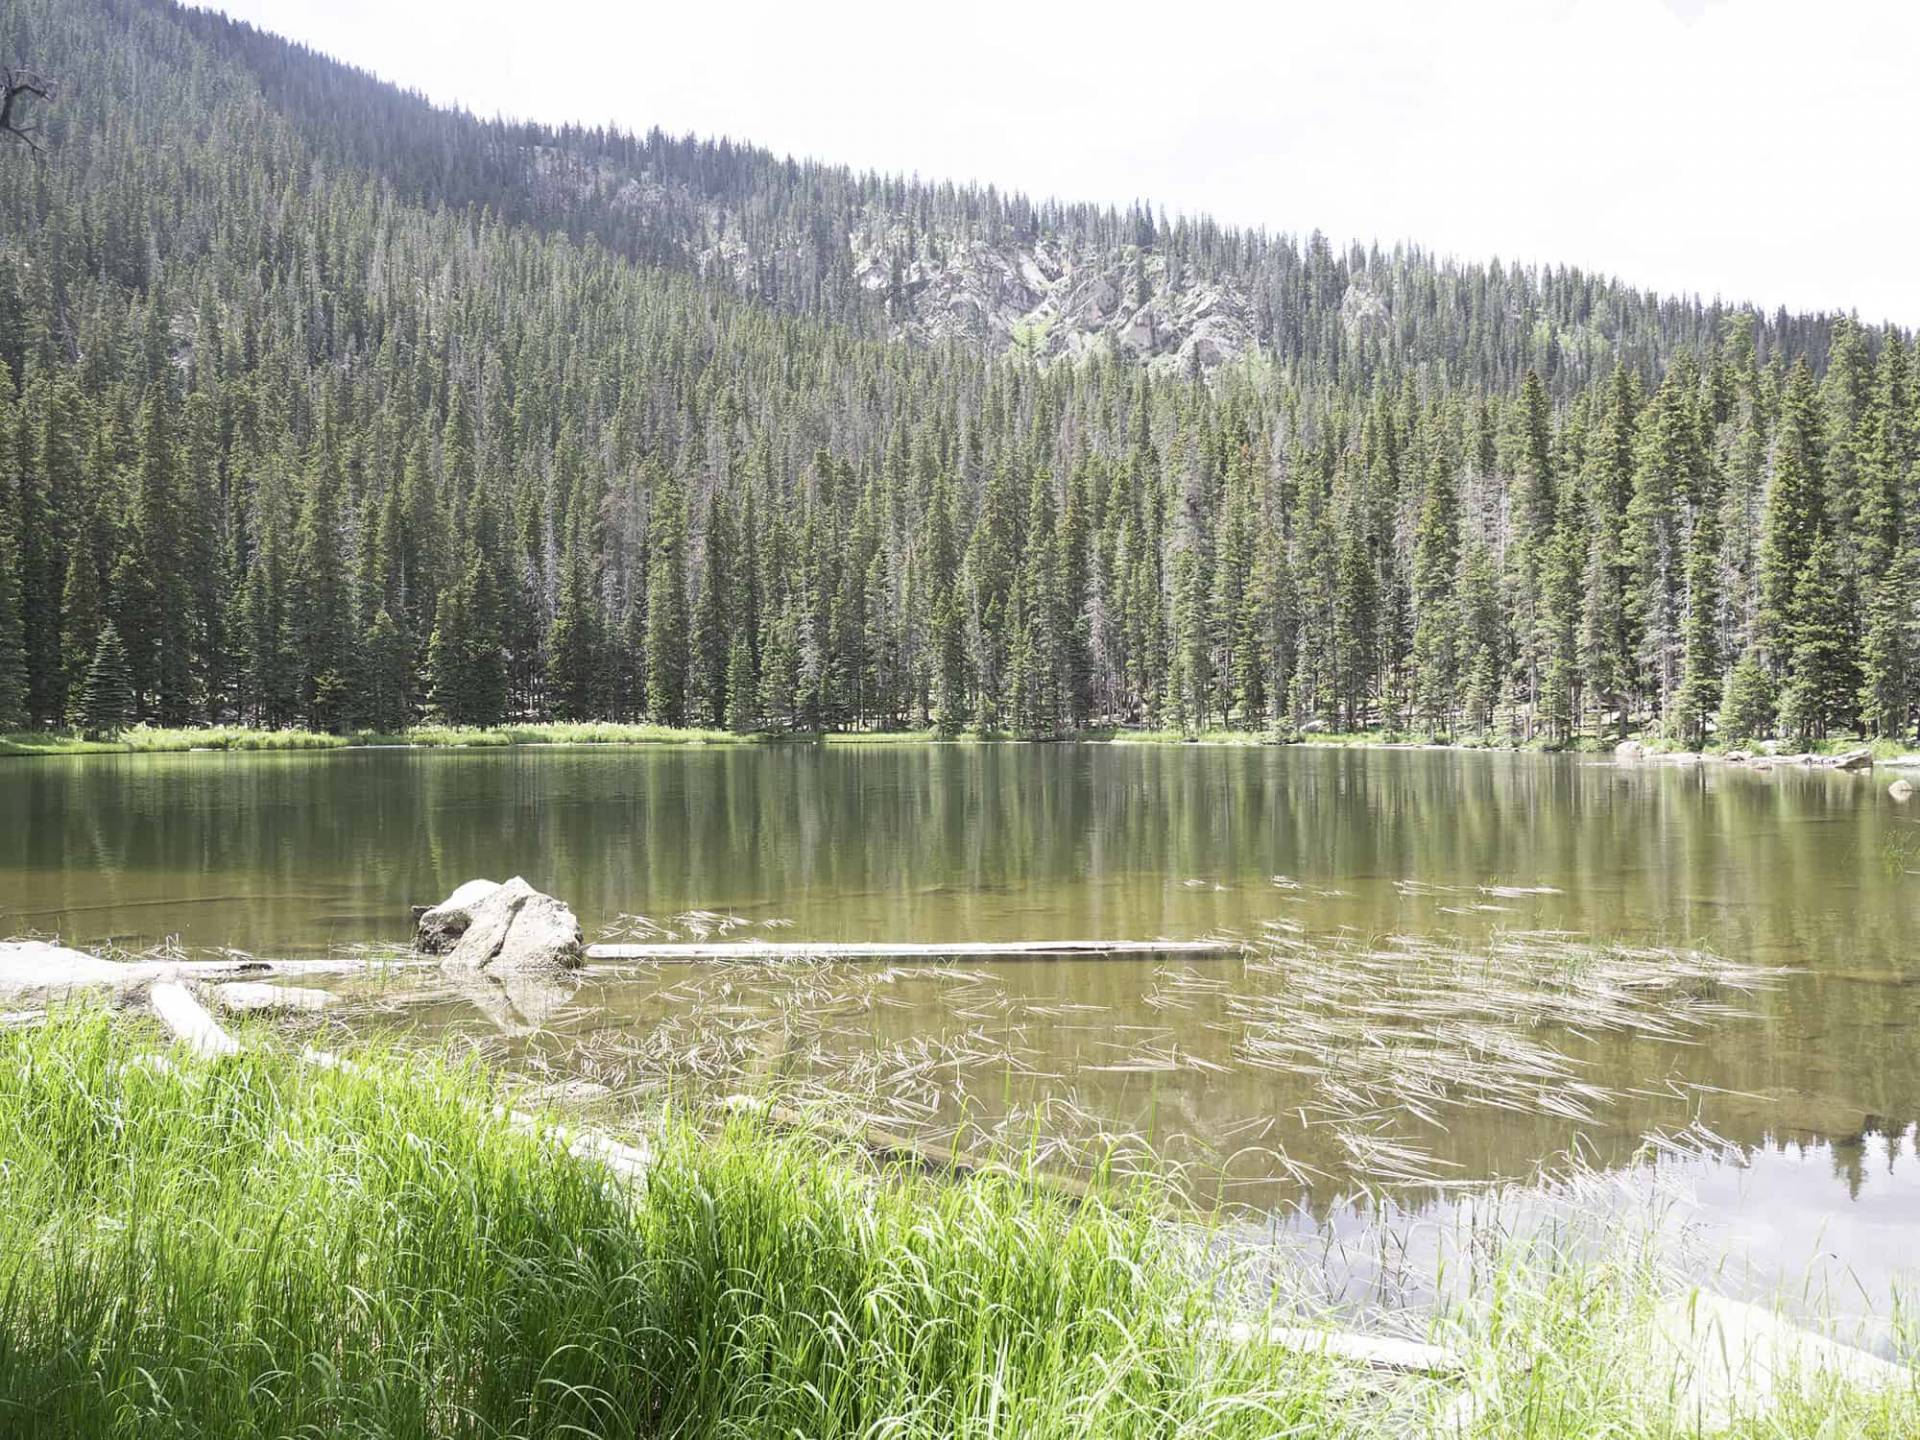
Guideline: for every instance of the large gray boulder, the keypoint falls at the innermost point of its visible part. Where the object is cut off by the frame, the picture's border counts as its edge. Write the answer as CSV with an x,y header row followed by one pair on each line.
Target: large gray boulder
x,y
518,930
441,926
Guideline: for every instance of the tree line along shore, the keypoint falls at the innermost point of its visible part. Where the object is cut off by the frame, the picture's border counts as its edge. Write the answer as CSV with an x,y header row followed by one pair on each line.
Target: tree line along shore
x,y
393,432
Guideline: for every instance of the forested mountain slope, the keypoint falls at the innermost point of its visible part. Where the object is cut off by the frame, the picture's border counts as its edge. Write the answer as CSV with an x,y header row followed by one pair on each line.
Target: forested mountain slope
x,y
333,408
890,257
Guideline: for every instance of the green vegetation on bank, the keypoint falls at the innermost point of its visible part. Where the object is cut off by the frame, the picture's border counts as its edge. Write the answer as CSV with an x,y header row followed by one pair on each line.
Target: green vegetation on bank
x,y
151,739
145,739
259,1247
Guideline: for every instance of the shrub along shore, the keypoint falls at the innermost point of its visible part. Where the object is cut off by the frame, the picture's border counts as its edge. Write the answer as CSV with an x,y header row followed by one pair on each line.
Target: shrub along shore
x,y
252,1246
147,739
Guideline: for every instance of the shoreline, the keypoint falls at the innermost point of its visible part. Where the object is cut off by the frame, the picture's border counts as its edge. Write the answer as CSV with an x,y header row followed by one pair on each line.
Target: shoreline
x,y
235,739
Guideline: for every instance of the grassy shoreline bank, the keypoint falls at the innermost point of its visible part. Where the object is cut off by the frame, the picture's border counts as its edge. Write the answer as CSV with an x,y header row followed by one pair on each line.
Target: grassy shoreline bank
x,y
256,1247
149,740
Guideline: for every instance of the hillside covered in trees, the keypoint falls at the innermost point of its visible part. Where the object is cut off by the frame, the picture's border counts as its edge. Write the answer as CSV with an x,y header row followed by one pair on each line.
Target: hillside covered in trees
x,y
323,406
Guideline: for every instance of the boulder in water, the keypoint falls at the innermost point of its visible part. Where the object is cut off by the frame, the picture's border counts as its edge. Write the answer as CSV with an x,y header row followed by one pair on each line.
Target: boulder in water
x,y
441,926
518,930
1900,790
1861,759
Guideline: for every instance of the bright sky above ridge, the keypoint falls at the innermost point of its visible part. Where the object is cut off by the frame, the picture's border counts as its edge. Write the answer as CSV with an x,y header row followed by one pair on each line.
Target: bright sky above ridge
x,y
1688,146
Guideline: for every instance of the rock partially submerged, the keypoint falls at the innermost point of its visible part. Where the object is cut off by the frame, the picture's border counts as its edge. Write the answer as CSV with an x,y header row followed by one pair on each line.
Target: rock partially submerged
x,y
1900,790
441,926
1861,759
515,929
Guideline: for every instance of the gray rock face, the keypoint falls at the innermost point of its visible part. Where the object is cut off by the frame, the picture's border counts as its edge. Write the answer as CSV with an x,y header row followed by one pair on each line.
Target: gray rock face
x,y
1852,760
517,930
441,927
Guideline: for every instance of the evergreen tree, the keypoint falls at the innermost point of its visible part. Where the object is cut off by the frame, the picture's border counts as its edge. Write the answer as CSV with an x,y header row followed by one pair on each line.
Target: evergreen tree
x,y
1606,642
742,689
107,701
80,616
1795,516
1701,667
1823,682
574,646
322,610
13,655
1436,625
386,702
711,657
1668,475
1889,655
50,488
1748,701
667,607
1559,637
465,658
780,669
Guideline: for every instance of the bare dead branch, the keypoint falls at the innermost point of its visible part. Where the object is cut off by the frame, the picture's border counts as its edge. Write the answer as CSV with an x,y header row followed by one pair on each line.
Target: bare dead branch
x,y
14,84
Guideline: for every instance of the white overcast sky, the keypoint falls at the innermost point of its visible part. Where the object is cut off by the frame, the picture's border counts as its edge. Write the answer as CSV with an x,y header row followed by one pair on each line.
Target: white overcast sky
x,y
1761,150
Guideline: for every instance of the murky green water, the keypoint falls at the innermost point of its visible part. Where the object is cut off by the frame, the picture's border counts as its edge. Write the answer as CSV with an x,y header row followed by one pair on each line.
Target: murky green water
x,y
1812,1078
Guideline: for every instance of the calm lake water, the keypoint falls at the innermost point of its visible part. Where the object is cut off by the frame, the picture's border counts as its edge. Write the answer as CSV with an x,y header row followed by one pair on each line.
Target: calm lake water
x,y
1338,857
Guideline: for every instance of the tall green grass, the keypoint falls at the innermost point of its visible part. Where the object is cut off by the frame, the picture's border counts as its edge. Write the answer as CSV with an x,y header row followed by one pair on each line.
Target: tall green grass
x,y
254,1247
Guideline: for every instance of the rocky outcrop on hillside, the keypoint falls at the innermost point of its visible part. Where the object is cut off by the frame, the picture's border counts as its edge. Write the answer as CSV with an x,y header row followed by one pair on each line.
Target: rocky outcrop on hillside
x,y
1039,296
1043,300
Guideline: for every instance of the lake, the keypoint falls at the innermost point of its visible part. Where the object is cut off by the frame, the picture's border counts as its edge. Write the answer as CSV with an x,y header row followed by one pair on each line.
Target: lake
x,y
1461,964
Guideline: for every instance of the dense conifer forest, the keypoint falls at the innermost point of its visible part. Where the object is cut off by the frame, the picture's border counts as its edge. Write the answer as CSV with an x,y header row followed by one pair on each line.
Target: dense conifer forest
x,y
321,406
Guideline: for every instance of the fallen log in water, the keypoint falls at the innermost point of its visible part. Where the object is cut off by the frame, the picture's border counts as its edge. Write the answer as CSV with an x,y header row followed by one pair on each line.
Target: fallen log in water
x,y
33,971
188,1019
904,950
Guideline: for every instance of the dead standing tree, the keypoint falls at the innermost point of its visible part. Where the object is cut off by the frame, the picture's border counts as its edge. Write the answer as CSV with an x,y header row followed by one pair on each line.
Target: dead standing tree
x,y
19,84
